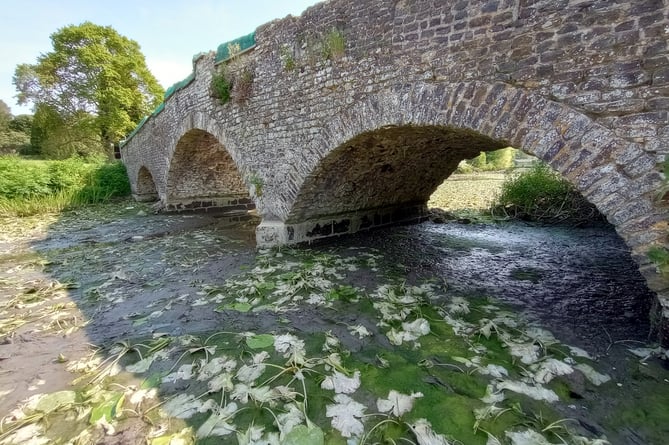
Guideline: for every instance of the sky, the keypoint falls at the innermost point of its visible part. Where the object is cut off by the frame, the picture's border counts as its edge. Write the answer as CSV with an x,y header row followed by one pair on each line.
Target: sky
x,y
169,32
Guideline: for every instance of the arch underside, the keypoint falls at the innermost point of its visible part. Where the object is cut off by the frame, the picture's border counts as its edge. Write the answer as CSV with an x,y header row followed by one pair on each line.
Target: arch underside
x,y
380,177
203,176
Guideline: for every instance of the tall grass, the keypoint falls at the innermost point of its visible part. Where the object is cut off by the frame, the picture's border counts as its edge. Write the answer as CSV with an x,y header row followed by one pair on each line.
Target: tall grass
x,y
542,195
29,187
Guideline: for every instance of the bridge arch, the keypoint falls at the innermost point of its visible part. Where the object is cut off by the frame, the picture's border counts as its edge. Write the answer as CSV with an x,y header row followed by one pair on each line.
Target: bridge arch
x,y
379,161
203,174
145,189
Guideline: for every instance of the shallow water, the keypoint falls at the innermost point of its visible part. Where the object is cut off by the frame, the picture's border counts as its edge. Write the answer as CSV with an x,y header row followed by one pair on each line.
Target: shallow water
x,y
579,282
139,276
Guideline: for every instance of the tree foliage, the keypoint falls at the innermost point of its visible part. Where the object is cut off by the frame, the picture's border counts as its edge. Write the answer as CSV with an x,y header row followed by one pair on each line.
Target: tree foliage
x,y
5,115
14,131
94,79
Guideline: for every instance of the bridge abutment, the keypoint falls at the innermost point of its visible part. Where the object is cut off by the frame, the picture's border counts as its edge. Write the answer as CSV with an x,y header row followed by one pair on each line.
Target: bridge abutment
x,y
227,203
276,233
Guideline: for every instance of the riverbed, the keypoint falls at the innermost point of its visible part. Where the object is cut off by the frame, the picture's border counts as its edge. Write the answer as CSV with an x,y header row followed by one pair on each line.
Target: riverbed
x,y
469,295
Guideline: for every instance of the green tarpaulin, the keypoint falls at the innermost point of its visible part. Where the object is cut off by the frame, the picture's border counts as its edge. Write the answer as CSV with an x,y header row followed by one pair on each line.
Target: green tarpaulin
x,y
245,42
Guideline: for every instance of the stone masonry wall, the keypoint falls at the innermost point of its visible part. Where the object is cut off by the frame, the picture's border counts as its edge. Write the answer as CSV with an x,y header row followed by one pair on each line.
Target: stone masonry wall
x,y
581,84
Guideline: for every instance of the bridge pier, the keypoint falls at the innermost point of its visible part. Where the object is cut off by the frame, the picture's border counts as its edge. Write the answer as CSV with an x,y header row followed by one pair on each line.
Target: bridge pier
x,y
275,233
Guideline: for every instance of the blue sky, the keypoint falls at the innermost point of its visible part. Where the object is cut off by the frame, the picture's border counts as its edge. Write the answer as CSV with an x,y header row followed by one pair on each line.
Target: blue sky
x,y
169,31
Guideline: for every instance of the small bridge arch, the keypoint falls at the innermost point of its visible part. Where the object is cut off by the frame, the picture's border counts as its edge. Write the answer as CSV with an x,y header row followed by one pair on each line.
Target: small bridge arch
x,y
202,174
145,188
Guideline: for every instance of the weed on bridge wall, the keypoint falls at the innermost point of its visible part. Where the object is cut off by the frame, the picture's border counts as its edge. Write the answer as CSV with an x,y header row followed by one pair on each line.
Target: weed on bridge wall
x,y
233,79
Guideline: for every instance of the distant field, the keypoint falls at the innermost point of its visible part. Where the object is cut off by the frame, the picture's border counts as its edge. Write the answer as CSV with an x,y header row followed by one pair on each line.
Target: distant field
x,y
468,191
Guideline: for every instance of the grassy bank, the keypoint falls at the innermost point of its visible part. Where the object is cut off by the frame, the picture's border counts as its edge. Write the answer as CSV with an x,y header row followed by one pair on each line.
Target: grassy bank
x,y
29,187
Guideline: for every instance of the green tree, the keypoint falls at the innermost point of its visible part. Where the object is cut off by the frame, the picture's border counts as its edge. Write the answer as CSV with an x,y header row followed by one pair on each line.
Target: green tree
x,y
22,123
5,115
94,78
57,136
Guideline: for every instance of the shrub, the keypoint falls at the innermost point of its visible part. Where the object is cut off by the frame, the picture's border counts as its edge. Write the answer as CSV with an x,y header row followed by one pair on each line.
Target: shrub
x,y
23,179
221,86
31,187
333,45
540,194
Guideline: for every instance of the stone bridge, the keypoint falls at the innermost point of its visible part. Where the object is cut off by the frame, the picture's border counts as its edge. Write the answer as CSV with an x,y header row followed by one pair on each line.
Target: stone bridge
x,y
349,117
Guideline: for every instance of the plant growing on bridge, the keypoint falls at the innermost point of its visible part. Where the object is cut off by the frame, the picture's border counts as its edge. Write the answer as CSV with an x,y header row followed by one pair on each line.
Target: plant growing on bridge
x,y
333,46
221,86
233,79
257,183
287,58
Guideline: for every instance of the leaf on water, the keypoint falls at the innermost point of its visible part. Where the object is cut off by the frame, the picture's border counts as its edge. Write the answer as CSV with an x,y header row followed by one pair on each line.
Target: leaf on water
x,y
342,384
141,366
289,420
546,370
540,335
54,401
645,353
578,352
291,347
260,341
346,414
589,372
422,429
458,305
304,435
249,373
215,366
495,371
222,382
487,412
254,436
359,330
140,395
397,403
528,437
533,392
184,437
140,321
528,353
580,440
28,435
105,412
492,396
185,372
219,423
487,327
183,406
